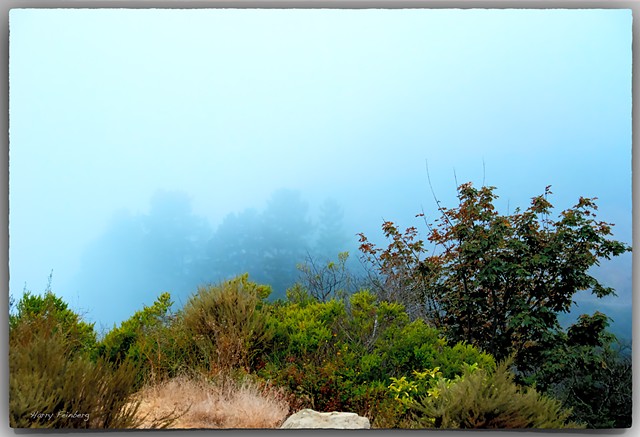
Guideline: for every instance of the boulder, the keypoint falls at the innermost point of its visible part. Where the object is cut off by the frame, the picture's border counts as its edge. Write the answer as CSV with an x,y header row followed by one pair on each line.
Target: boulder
x,y
310,419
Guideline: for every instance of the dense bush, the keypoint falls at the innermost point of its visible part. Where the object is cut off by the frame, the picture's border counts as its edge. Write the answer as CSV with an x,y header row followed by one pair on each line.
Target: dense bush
x,y
146,339
54,381
590,372
341,354
227,323
48,309
484,399
418,346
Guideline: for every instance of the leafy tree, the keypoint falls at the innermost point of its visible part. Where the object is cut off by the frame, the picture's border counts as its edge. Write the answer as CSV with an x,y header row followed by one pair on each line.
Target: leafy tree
x,y
327,281
174,242
287,232
112,269
492,280
236,246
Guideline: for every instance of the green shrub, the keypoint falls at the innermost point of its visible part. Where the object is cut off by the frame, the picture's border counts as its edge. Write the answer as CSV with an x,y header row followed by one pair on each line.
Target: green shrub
x,y
33,309
304,329
302,353
419,346
145,339
227,323
487,399
53,384
369,320
341,354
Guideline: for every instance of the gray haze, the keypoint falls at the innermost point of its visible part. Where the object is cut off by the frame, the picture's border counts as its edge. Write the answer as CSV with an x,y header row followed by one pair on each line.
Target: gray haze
x,y
156,150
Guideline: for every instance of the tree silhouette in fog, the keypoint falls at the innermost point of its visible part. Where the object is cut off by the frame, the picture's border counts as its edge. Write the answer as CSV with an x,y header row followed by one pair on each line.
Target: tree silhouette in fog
x,y
331,237
140,255
174,241
171,249
236,246
267,245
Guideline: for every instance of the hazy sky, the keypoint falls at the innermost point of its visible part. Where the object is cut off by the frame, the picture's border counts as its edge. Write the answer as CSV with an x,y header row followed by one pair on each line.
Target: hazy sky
x,y
108,106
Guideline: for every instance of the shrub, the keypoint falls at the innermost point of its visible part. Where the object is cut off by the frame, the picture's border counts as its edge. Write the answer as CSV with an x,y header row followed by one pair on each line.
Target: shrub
x,y
145,339
53,385
484,399
341,354
307,329
419,346
227,323
51,310
303,351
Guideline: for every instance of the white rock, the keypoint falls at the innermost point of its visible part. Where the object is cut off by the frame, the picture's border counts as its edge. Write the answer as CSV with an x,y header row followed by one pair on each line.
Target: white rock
x,y
307,419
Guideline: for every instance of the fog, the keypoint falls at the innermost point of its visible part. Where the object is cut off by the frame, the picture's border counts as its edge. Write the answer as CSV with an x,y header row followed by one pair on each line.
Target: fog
x,y
157,150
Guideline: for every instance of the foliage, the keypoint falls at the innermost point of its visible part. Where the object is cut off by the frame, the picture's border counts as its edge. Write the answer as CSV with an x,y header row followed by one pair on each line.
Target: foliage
x,y
340,354
55,384
33,310
144,340
496,281
481,399
394,275
589,371
417,351
406,390
418,345
303,351
326,281
227,323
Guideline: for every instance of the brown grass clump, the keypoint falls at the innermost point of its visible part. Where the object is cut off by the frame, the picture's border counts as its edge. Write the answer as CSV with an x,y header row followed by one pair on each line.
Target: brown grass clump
x,y
226,403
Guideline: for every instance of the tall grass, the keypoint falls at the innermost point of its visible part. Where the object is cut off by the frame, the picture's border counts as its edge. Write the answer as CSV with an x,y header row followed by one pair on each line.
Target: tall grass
x,y
223,402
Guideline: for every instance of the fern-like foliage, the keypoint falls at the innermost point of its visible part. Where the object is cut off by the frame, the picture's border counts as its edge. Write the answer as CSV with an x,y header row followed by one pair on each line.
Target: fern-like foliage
x,y
485,399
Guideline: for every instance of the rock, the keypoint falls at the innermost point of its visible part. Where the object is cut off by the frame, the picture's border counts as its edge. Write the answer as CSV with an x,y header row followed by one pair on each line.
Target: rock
x,y
309,419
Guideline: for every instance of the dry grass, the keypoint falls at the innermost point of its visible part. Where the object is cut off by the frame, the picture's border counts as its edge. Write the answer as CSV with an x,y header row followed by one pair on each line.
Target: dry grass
x,y
198,403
